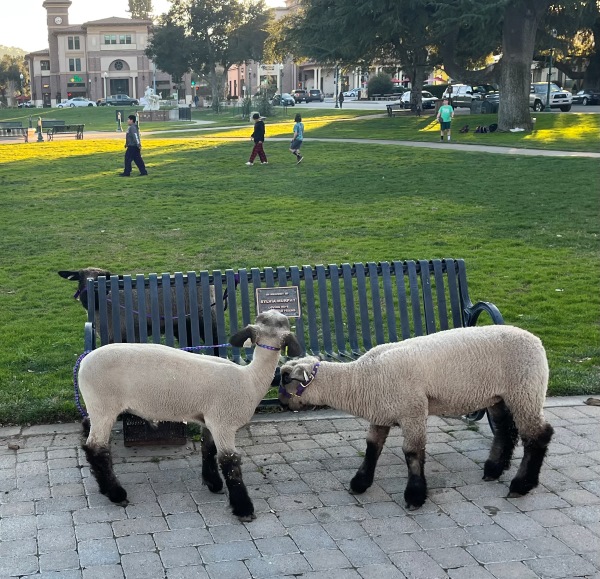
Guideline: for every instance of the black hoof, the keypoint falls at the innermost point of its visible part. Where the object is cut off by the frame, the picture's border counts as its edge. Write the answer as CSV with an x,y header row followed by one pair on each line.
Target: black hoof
x,y
359,484
492,470
415,495
244,513
117,495
520,487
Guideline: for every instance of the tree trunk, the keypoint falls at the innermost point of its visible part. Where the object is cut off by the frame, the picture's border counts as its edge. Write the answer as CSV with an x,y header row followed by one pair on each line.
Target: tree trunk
x,y
418,78
521,21
216,87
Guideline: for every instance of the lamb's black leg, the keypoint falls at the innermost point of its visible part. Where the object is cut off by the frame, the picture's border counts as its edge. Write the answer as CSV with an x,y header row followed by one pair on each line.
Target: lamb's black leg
x,y
231,466
414,428
101,467
376,438
210,471
416,488
535,449
503,445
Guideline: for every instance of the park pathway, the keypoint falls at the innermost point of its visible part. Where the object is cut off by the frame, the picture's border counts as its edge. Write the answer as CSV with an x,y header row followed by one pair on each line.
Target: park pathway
x,y
497,150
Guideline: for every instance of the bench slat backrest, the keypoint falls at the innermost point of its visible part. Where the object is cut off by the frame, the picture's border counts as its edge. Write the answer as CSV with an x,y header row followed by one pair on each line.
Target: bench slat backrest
x,y
345,309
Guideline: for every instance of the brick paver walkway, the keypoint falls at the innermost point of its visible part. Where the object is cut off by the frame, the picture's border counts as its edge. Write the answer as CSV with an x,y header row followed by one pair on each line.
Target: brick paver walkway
x,y
54,523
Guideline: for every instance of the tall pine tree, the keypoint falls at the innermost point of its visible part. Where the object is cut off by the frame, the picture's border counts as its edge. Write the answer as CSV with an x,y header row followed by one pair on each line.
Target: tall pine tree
x,y
140,9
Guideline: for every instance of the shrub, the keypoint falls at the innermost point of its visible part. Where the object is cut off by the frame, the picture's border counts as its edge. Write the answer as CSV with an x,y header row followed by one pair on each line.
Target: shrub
x,y
380,84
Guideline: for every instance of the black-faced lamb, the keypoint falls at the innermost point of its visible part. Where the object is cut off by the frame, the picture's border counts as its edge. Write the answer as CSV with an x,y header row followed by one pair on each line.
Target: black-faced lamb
x,y
81,276
160,383
449,373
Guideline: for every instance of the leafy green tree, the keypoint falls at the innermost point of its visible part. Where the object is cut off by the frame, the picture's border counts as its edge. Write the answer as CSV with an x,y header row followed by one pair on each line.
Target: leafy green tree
x,y
11,69
356,34
577,44
380,84
140,9
470,30
208,37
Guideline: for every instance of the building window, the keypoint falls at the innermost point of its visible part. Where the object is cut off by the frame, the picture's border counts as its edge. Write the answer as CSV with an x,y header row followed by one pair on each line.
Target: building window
x,y
118,65
73,42
125,39
110,39
74,64
44,65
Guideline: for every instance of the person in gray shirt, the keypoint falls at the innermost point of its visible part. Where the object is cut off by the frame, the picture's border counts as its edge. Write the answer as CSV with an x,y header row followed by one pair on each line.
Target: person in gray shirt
x,y
133,149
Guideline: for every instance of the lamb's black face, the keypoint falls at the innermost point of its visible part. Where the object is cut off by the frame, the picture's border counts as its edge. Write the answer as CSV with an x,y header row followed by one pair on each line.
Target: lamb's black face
x,y
295,373
81,276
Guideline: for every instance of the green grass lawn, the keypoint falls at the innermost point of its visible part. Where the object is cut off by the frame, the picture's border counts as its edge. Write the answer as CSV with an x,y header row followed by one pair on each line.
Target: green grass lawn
x,y
527,227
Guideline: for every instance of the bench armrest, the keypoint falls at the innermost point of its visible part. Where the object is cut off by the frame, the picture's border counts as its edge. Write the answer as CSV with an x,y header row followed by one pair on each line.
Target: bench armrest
x,y
472,313
89,339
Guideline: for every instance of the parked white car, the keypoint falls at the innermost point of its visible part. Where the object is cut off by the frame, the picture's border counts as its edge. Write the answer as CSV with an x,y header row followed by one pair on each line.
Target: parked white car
x,y
353,92
76,102
428,100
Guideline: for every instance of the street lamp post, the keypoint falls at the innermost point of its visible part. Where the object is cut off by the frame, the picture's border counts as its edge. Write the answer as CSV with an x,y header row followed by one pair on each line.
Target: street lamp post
x,y
335,96
548,108
105,76
21,77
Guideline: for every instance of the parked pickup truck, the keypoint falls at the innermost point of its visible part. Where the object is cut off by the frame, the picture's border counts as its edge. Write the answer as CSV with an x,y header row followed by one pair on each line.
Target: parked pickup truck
x,y
559,99
123,100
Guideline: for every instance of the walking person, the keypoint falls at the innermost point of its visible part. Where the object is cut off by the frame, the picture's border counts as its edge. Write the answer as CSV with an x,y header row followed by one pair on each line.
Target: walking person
x,y
133,149
258,136
298,138
341,98
445,116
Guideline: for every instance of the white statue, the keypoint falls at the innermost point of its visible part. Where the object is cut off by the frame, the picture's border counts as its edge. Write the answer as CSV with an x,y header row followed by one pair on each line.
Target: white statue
x,y
150,100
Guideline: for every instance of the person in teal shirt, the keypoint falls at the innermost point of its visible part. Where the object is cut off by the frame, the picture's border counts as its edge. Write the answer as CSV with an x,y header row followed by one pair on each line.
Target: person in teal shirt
x,y
444,116
298,138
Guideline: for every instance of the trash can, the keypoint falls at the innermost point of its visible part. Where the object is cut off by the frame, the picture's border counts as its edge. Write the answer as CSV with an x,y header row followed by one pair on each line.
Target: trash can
x,y
476,107
489,107
185,114
359,95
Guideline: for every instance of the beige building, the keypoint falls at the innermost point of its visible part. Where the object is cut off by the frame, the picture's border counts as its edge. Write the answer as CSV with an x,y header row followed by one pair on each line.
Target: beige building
x,y
93,59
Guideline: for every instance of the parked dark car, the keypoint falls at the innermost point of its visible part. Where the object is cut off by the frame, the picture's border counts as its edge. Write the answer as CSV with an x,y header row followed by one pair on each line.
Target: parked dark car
x,y
315,95
300,95
116,100
586,97
285,99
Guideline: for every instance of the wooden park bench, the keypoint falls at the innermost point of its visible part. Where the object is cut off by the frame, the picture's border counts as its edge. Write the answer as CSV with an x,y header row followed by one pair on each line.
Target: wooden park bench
x,y
338,311
393,108
76,130
13,130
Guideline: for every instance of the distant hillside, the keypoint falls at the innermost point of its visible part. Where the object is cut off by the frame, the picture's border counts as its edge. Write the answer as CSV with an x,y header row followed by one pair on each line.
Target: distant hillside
x,y
11,51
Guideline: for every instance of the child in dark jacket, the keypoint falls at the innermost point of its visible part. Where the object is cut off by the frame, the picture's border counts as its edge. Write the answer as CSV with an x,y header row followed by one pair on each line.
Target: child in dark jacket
x,y
133,148
258,136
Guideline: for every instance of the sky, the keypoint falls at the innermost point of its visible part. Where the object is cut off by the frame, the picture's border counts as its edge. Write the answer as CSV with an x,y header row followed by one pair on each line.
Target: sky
x,y
24,21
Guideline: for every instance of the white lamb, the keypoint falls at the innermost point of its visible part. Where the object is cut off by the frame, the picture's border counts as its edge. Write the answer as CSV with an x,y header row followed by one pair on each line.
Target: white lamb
x,y
160,383
455,372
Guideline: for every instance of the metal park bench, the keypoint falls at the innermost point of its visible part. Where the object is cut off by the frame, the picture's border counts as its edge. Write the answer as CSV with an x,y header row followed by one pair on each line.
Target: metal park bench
x,y
13,130
63,129
338,311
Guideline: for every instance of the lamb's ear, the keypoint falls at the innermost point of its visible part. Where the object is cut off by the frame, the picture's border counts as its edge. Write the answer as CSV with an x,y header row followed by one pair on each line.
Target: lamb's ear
x,y
294,348
300,372
240,337
70,275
